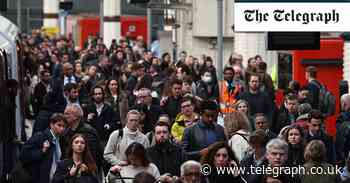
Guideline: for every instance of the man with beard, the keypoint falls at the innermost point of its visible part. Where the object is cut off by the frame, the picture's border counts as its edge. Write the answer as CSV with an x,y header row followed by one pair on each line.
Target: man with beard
x,y
171,104
258,101
167,156
229,90
100,115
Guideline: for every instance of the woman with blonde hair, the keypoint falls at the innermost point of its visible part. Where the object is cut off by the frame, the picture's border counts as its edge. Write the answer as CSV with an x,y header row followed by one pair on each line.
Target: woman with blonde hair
x,y
237,129
315,157
243,106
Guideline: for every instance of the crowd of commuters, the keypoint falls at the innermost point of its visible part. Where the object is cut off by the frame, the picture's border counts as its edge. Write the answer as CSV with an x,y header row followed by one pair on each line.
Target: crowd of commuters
x,y
121,114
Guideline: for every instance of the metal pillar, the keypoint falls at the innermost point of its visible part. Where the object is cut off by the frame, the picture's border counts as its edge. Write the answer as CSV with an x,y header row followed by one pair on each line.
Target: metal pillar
x,y
19,14
220,42
149,27
101,18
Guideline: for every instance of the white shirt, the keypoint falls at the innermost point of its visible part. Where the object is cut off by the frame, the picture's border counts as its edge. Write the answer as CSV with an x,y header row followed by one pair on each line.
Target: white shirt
x,y
66,80
99,109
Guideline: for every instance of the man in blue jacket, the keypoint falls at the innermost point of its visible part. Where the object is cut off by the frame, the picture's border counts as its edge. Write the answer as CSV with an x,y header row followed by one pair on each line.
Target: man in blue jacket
x,y
41,152
206,131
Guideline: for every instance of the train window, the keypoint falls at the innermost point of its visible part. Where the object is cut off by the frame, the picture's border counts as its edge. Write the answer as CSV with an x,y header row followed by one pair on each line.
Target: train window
x,y
285,69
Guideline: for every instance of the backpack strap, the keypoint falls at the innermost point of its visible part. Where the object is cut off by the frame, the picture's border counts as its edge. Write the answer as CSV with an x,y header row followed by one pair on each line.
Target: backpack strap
x,y
120,133
242,135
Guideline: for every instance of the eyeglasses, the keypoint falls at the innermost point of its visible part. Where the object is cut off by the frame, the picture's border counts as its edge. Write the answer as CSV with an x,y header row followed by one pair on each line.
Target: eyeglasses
x,y
184,106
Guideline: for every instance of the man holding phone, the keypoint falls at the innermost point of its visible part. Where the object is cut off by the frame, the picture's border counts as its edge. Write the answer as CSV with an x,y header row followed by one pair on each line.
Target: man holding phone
x,y
42,151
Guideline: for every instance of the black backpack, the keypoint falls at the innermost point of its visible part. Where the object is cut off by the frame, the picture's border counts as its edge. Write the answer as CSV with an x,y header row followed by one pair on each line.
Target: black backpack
x,y
326,100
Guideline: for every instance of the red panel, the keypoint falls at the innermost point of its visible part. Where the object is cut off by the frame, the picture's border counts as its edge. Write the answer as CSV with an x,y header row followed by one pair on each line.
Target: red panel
x,y
134,26
330,75
88,26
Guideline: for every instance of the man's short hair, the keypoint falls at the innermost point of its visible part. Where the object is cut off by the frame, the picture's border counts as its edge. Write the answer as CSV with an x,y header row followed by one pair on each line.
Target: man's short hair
x,y
77,108
146,90
277,143
316,114
162,123
175,81
312,70
260,115
209,105
291,96
186,99
228,68
57,117
188,165
92,92
133,111
253,74
70,86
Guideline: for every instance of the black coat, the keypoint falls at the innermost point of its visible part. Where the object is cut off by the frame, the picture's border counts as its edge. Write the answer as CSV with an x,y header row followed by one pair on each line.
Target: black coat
x,y
168,157
258,103
38,96
283,120
100,122
36,162
172,108
202,90
62,174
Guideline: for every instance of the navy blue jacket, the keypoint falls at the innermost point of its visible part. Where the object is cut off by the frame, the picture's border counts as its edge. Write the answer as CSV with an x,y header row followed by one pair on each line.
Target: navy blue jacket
x,y
36,162
195,138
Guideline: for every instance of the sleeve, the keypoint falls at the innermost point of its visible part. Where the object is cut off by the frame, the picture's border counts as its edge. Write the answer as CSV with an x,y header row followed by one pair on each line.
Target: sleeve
x,y
110,150
31,150
187,145
175,131
114,120
200,91
146,142
95,147
154,170
314,91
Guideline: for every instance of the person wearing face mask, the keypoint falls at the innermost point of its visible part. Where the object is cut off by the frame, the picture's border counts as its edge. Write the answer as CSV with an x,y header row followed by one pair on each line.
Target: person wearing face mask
x,y
207,88
229,90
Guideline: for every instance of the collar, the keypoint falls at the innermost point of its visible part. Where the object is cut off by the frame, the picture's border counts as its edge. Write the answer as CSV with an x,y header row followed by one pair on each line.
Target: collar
x,y
314,135
99,106
207,126
53,135
129,132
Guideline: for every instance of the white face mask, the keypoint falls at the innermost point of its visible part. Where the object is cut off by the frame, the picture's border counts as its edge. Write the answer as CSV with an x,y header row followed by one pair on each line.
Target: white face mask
x,y
207,79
